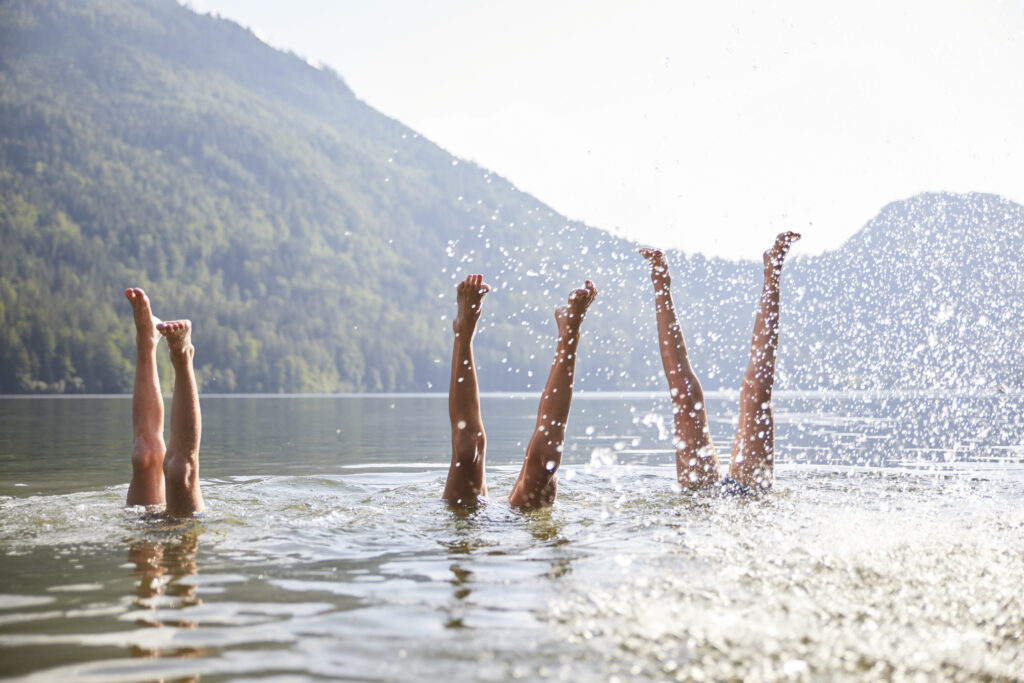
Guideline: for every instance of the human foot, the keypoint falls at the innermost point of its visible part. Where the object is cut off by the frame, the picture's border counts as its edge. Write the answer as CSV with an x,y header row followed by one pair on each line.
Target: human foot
x,y
569,317
471,293
146,335
659,269
774,257
178,334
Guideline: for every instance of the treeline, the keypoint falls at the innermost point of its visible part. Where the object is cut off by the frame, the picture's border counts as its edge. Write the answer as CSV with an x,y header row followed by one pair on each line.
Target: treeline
x,y
307,236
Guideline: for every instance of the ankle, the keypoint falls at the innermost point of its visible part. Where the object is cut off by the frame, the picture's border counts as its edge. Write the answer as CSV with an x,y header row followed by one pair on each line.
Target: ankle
x,y
145,347
183,355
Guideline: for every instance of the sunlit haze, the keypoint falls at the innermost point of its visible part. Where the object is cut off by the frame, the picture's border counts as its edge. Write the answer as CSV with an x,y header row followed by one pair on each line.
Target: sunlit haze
x,y
702,126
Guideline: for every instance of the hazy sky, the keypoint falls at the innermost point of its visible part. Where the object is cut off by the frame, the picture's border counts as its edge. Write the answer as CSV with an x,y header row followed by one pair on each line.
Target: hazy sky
x,y
706,126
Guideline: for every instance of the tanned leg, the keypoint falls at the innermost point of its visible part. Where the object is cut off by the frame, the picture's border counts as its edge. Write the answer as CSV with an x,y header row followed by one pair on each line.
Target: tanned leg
x,y
537,484
466,483
147,485
181,465
753,458
696,462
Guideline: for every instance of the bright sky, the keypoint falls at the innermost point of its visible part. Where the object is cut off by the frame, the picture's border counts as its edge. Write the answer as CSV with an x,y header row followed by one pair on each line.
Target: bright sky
x,y
704,126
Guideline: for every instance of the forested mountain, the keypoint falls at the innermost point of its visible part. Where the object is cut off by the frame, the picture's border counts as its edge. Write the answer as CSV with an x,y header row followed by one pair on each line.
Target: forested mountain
x,y
315,242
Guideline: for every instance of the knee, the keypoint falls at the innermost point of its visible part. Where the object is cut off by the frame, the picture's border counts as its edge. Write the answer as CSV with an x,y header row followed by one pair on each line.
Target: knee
x,y
181,469
546,496
536,495
758,478
469,444
148,452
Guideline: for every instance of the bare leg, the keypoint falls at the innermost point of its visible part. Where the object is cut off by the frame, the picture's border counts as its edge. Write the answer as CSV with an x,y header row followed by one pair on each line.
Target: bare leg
x,y
466,483
696,461
147,485
537,484
753,458
181,466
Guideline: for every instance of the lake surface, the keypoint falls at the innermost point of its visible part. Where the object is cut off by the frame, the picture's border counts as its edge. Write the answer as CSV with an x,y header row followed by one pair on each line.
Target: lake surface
x,y
891,547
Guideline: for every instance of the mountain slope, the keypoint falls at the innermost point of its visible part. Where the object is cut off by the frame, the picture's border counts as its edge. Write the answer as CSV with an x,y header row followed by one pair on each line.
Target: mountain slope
x,y
928,294
315,242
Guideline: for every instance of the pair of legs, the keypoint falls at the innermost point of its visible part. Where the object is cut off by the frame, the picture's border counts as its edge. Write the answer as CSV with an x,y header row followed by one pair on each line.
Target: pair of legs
x,y
537,483
752,464
164,476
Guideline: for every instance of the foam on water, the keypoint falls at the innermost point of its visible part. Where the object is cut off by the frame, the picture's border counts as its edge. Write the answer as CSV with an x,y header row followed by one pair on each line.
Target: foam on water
x,y
836,573
892,547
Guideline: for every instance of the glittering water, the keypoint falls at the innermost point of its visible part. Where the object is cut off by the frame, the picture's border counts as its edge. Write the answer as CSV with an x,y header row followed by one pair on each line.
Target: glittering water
x,y
892,547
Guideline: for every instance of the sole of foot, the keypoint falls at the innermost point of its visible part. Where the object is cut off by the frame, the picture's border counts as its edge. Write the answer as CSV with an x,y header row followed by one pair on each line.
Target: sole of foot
x,y
178,334
470,295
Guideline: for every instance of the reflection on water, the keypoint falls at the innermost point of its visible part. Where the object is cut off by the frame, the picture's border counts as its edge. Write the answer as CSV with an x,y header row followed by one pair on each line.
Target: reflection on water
x,y
163,570
892,547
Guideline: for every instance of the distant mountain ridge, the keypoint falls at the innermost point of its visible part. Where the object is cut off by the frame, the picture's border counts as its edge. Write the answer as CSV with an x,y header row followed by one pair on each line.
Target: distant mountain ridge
x,y
315,242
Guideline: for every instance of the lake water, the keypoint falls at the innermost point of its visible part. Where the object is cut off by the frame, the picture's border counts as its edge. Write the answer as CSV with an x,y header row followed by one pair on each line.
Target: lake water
x,y
892,546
